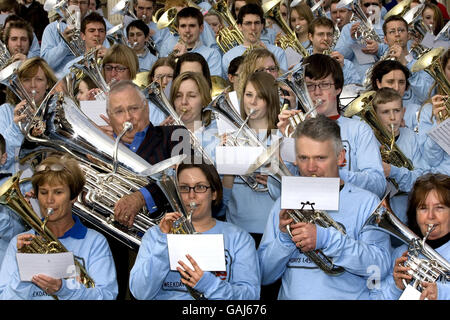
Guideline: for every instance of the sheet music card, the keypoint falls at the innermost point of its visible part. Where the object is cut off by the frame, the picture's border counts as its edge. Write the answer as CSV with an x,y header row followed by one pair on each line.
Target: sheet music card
x,y
323,192
287,149
410,293
206,249
440,134
236,160
56,265
361,57
93,109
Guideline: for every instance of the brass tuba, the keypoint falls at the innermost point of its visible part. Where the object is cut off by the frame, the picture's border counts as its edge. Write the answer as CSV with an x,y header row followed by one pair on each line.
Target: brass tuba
x,y
230,36
429,269
45,242
431,63
390,152
272,10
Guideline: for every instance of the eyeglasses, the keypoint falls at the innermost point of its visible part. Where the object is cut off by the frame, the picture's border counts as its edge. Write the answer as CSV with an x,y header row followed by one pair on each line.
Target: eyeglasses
x,y
271,69
55,167
131,110
120,69
368,4
322,86
394,31
197,189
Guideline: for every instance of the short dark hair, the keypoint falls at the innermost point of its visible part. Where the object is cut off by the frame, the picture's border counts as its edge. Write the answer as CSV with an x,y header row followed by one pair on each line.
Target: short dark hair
x,y
19,24
394,18
193,57
190,12
139,24
385,66
212,176
234,65
250,8
319,66
6,5
2,144
385,95
320,21
91,17
422,187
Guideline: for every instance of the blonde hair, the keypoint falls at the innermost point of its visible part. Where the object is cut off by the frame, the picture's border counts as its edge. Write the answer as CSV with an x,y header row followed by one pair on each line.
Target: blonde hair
x,y
248,66
124,55
203,88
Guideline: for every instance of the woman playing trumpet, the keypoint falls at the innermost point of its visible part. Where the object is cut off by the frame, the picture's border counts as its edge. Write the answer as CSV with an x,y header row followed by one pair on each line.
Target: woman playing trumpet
x,y
56,184
428,216
151,278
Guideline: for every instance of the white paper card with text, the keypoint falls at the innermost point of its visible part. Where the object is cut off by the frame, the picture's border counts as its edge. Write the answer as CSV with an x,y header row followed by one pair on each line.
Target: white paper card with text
x,y
206,249
441,135
323,192
55,265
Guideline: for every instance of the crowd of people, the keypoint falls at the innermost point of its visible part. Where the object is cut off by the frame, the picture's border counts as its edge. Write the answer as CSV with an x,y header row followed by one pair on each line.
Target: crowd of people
x,y
161,86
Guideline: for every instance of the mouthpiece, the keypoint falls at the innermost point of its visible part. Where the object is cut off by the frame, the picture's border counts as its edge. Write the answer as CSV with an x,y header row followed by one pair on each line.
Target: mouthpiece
x,y
252,111
50,211
319,102
192,205
134,45
338,20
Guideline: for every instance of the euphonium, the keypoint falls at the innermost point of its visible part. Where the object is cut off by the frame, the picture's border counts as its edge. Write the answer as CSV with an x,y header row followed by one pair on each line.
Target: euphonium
x,y
272,10
430,268
295,79
230,36
390,152
431,63
366,30
417,29
45,241
5,56
277,170
69,130
73,20
116,35
123,8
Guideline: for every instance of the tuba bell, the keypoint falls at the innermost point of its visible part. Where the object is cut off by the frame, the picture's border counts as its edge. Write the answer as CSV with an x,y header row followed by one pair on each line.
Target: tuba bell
x,y
45,241
431,63
230,36
431,268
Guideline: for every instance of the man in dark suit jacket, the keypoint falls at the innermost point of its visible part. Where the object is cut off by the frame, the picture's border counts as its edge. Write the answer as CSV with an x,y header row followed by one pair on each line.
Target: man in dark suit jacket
x,y
153,143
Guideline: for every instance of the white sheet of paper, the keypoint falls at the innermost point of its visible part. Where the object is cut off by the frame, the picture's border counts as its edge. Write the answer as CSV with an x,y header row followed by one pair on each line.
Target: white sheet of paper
x,y
323,192
287,149
440,134
55,265
428,40
361,57
206,249
236,160
410,293
93,109
224,126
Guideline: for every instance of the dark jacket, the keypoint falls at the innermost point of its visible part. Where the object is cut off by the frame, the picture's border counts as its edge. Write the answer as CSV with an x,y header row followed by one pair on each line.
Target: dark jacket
x,y
36,16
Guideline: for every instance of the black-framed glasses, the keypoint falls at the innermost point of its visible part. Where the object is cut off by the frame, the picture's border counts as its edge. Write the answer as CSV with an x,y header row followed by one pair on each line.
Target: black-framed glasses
x,y
268,69
322,86
120,69
199,188
55,167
